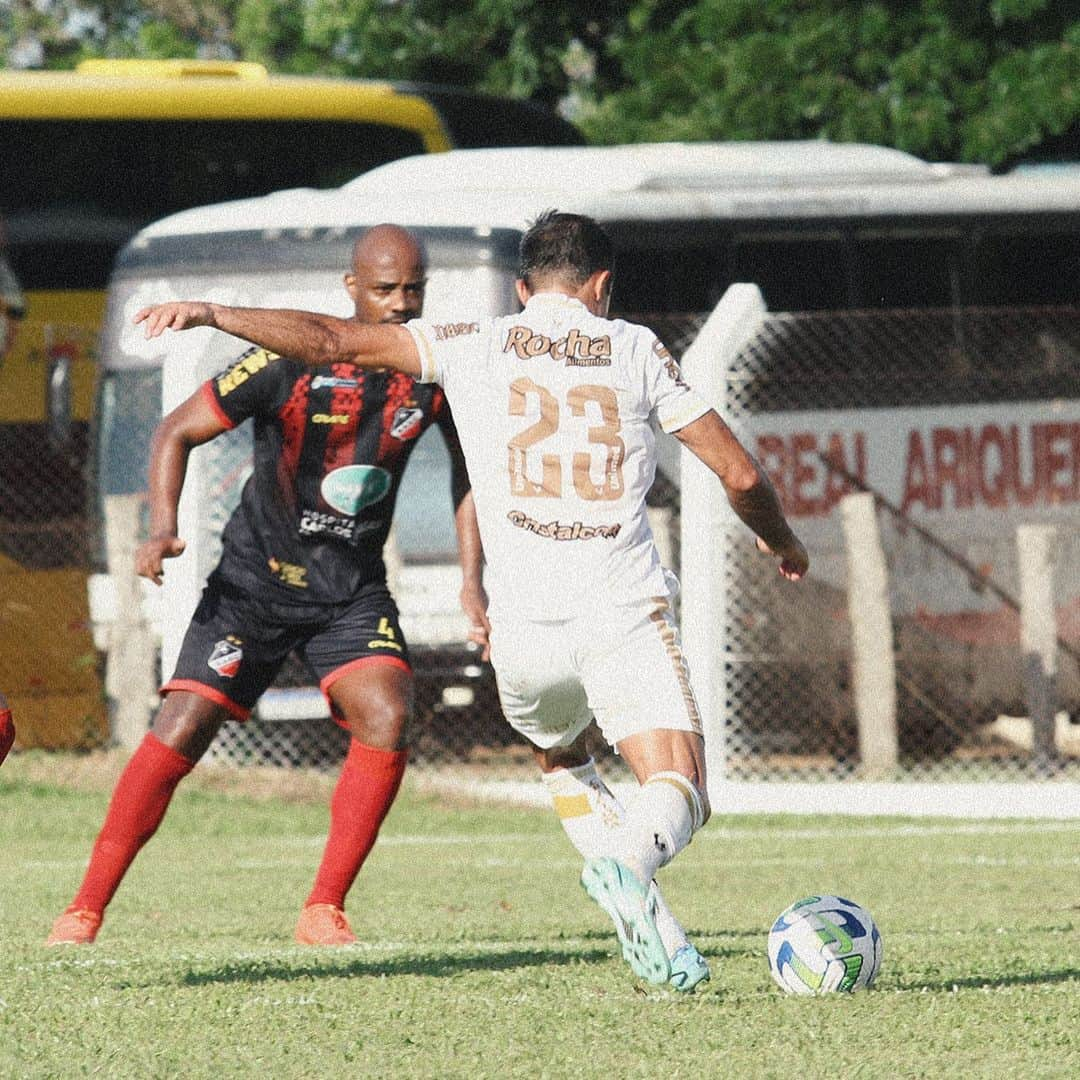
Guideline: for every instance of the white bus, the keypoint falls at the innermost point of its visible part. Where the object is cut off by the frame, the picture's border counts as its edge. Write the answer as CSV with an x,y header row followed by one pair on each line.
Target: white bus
x,y
820,228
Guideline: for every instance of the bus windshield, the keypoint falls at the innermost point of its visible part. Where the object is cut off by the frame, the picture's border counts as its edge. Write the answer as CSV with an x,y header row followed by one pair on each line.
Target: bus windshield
x,y
109,178
131,172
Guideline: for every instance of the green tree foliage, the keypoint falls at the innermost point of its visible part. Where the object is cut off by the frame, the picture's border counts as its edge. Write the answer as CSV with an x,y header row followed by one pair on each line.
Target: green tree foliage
x,y
944,79
512,47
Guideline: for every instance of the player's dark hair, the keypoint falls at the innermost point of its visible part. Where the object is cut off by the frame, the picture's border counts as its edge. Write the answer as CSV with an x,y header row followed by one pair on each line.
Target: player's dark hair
x,y
568,247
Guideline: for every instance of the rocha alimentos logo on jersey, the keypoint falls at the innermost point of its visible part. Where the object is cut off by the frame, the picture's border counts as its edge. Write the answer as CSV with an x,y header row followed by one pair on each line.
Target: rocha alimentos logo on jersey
x,y
576,349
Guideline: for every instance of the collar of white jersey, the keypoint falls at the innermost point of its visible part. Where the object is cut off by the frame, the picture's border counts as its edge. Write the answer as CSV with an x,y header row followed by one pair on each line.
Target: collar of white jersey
x,y
553,299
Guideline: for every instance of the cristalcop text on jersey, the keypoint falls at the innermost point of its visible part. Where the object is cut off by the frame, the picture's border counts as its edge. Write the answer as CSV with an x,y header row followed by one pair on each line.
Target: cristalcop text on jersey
x,y
556,530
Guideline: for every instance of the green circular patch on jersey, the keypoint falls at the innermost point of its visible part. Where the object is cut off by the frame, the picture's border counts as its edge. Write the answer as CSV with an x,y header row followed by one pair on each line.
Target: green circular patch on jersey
x,y
348,490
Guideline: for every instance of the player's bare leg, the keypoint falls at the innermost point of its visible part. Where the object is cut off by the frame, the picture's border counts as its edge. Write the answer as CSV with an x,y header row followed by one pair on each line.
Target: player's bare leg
x,y
188,723
591,816
183,730
665,750
374,701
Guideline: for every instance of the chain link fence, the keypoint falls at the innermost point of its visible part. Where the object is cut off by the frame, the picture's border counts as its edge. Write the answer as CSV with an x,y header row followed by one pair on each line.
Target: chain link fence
x,y
964,425
49,668
44,518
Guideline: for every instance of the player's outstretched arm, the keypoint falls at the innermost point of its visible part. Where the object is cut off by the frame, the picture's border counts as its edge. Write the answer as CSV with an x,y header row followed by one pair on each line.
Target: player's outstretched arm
x,y
748,490
190,424
308,336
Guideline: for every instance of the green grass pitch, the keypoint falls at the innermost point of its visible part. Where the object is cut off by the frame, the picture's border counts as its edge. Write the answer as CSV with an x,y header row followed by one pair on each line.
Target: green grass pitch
x,y
482,957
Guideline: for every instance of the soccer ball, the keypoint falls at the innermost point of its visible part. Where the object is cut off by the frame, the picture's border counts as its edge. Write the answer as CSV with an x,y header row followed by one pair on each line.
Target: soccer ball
x,y
824,944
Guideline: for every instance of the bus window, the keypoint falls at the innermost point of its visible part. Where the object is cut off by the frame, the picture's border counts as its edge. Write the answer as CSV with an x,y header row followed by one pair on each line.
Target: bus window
x,y
1031,268
659,279
424,526
54,262
478,120
129,410
794,273
906,271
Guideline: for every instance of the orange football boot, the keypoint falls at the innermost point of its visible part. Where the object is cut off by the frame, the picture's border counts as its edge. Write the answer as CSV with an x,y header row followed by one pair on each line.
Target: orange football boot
x,y
75,928
323,924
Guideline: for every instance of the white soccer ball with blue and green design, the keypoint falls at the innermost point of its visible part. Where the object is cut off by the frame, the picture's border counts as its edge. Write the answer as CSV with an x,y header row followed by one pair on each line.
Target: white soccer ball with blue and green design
x,y
824,944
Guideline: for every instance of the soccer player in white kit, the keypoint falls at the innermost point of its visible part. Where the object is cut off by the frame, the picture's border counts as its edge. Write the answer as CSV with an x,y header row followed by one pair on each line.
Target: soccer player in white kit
x,y
553,408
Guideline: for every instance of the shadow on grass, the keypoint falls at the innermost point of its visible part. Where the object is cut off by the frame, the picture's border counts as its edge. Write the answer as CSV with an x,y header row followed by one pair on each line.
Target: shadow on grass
x,y
975,982
710,942
439,965
757,933
436,964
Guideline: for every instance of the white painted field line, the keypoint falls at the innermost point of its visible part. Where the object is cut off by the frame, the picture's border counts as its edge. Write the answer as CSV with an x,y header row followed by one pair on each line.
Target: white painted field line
x,y
570,864
993,860
1051,800
53,864
959,828
731,835
709,833
424,840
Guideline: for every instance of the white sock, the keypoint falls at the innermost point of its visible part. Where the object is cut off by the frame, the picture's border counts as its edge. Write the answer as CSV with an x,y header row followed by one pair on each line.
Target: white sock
x,y
586,806
667,812
592,817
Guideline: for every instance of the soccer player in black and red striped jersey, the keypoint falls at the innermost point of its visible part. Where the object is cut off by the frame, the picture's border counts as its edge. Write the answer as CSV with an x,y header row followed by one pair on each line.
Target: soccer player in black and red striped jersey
x,y
301,568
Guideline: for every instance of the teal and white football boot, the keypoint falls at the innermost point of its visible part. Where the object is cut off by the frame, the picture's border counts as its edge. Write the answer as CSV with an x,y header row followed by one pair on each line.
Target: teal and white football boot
x,y
633,911
688,969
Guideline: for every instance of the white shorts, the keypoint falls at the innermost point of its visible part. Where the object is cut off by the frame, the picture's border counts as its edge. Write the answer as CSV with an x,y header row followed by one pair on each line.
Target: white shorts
x,y
626,668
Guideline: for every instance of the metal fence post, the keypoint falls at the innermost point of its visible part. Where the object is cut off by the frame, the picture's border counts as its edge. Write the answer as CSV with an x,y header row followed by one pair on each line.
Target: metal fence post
x,y
1036,546
873,660
130,681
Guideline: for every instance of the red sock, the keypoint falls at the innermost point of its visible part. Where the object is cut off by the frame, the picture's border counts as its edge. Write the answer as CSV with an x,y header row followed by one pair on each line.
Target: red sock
x,y
7,732
138,804
369,780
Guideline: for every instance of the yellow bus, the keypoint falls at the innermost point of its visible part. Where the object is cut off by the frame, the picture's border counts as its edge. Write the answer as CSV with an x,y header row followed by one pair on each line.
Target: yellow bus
x,y
88,157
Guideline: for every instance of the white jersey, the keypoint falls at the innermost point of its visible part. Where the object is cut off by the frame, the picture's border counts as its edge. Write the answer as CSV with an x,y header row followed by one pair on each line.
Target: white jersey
x,y
552,407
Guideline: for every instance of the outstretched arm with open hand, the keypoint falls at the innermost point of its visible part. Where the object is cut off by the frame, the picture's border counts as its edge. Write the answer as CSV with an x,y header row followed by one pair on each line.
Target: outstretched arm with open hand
x,y
307,336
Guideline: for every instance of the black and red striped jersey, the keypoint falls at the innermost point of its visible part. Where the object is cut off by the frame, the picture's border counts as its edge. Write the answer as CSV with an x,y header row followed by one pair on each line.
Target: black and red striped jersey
x,y
330,448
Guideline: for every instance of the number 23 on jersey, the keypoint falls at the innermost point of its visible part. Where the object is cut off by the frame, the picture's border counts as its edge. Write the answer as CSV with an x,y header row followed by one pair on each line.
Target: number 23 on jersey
x,y
528,444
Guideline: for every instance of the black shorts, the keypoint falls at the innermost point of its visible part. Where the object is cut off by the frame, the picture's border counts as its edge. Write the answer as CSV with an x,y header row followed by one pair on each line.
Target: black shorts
x,y
235,646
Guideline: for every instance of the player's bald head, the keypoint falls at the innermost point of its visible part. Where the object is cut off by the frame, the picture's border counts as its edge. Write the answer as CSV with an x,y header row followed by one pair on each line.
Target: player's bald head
x,y
383,245
388,275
